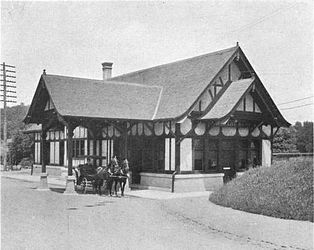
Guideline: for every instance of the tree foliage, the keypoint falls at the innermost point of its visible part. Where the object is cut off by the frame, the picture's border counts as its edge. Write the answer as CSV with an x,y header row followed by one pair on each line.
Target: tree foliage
x,y
15,116
21,147
297,138
304,136
285,140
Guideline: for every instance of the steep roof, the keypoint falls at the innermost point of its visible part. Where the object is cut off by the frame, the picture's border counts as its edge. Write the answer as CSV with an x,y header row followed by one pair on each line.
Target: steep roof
x,y
164,92
94,98
229,100
182,81
31,128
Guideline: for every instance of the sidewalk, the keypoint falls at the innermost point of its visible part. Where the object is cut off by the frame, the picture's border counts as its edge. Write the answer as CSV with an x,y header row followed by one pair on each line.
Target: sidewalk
x,y
25,175
60,181
263,231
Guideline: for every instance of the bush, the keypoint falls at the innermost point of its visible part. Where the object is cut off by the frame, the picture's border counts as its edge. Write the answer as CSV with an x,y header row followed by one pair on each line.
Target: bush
x,y
26,163
284,190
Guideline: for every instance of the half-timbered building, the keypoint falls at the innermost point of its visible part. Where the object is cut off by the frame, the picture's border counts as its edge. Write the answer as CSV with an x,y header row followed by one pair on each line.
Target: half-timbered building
x,y
190,118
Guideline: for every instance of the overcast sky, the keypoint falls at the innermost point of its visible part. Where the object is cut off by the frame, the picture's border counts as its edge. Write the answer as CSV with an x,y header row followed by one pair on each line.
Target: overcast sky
x,y
74,38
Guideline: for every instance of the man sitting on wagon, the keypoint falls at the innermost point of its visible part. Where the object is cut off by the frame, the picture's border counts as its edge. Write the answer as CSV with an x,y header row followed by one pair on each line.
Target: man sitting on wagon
x,y
114,168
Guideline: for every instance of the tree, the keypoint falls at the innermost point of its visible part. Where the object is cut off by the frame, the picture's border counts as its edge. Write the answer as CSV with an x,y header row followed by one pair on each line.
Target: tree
x,y
304,136
15,116
21,147
295,138
285,140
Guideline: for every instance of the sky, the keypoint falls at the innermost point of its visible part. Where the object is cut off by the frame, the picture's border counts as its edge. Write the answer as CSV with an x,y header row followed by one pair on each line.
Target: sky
x,y
74,38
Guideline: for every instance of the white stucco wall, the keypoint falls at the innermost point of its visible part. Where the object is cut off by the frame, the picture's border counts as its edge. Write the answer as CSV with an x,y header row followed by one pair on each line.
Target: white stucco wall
x,y
266,153
186,155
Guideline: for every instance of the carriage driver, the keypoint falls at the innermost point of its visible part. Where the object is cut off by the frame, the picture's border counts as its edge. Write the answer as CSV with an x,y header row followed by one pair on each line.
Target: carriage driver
x,y
114,166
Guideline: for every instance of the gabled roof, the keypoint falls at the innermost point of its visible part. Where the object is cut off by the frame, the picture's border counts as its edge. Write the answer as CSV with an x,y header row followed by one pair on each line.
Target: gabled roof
x,y
230,99
31,128
164,92
182,81
94,98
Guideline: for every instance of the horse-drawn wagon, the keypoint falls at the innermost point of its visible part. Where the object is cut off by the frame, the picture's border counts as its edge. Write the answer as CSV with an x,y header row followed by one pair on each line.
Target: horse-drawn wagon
x,y
85,176
89,176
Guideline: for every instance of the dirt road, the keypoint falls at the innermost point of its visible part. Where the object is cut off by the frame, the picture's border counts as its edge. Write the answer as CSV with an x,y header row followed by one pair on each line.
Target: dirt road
x,y
32,219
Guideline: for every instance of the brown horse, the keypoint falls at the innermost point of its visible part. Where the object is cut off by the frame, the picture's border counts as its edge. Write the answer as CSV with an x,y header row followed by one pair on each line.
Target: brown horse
x,y
118,175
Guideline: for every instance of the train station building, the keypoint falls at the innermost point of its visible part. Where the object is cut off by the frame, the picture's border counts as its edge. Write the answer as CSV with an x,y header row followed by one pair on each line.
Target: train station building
x,y
178,124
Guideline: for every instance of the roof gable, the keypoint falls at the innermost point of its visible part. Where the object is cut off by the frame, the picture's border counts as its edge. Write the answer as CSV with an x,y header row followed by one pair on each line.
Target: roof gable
x,y
94,98
230,99
182,81
248,104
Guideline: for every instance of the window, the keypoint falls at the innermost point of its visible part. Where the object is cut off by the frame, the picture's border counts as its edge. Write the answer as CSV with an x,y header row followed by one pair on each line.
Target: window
x,y
243,154
226,158
78,148
198,146
213,154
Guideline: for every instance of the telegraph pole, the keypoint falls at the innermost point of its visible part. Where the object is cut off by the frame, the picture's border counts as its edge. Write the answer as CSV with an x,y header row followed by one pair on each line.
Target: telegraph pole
x,y
7,88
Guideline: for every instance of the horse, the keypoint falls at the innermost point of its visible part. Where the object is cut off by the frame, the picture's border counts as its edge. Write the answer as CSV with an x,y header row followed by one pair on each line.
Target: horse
x,y
118,175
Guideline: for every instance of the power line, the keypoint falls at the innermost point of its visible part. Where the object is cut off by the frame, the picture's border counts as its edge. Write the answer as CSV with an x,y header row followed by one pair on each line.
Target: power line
x,y
249,25
298,106
262,19
296,100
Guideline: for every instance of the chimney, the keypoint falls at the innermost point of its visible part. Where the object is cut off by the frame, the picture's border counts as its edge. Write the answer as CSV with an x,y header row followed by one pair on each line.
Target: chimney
x,y
106,69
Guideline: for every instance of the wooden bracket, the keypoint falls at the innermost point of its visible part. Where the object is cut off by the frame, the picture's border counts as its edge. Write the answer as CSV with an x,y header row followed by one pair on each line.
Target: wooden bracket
x,y
151,128
194,125
276,131
260,124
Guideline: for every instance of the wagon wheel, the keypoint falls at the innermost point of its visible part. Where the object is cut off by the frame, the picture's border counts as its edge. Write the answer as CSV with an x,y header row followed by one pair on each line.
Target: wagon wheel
x,y
83,185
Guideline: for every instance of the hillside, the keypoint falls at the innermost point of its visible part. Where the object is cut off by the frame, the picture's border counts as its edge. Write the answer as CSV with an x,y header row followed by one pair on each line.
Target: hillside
x,y
284,190
15,116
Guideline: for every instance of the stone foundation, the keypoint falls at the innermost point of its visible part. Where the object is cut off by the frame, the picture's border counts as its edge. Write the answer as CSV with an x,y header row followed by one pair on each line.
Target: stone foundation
x,y
182,182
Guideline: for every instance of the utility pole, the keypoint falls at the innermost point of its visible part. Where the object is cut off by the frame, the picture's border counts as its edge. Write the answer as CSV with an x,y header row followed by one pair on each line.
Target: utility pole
x,y
5,88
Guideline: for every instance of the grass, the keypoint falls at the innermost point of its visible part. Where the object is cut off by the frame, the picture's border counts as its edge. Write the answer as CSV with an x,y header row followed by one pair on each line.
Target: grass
x,y
284,190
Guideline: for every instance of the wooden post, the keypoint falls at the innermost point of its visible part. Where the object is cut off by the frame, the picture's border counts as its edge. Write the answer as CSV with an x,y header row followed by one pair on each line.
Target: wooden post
x,y
43,176
94,148
70,149
271,144
70,184
249,154
154,155
237,148
43,151
219,147
236,153
177,149
125,141
206,156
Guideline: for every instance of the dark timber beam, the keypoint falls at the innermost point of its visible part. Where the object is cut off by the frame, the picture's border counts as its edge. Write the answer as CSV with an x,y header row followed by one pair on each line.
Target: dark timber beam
x,y
177,149
43,177
70,129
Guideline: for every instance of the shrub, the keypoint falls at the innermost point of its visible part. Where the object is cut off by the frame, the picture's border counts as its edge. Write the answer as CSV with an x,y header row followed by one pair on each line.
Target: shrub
x,y
284,190
26,162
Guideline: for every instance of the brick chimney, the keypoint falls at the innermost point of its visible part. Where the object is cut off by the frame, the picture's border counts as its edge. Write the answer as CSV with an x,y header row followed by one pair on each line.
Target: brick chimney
x,y
107,70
